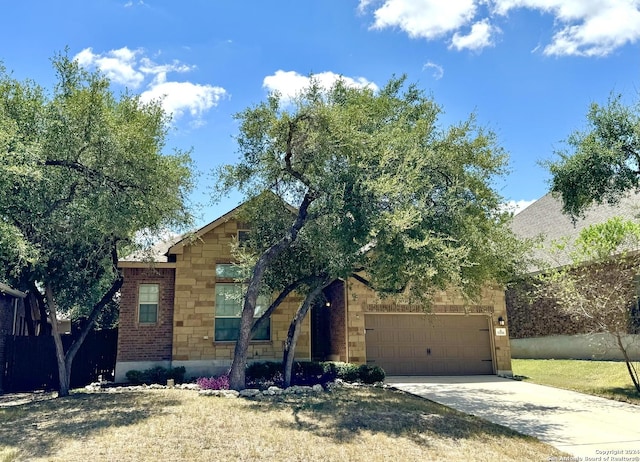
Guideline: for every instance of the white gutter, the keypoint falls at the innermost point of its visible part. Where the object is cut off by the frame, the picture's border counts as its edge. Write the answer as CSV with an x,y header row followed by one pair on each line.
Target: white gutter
x,y
9,291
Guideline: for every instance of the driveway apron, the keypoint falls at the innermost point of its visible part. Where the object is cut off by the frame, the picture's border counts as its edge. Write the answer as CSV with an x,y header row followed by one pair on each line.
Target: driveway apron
x,y
587,427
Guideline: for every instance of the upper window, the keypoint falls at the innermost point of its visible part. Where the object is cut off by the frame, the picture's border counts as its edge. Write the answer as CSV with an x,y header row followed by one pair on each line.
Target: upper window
x,y
243,236
148,296
228,271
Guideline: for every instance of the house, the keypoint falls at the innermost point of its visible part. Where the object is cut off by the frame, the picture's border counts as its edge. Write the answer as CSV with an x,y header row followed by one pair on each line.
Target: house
x,y
12,320
12,311
178,309
540,330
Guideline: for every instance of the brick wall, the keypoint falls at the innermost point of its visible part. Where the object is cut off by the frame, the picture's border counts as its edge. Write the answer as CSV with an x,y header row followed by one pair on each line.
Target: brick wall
x,y
146,342
533,315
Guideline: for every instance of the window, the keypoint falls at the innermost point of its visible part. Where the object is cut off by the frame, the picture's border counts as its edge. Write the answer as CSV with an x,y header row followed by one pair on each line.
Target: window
x,y
229,301
148,303
243,236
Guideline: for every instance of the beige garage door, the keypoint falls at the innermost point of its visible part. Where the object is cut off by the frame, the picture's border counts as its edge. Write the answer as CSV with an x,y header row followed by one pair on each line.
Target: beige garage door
x,y
418,344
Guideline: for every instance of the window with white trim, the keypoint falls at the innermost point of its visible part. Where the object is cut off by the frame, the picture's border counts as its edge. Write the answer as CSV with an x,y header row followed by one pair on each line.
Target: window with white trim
x,y
148,297
229,302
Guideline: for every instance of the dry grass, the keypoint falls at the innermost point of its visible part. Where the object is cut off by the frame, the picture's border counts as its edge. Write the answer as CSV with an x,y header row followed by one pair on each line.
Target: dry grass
x,y
609,379
349,424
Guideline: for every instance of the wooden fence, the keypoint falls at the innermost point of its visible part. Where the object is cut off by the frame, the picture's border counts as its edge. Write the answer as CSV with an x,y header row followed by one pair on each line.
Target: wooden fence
x,y
30,362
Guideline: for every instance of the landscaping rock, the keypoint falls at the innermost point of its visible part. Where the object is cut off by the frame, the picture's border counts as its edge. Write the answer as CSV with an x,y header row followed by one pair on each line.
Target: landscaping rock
x,y
221,393
188,386
272,391
249,392
317,388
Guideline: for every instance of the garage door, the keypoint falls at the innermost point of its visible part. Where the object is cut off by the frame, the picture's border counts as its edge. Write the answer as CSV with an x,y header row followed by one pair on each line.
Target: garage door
x,y
419,344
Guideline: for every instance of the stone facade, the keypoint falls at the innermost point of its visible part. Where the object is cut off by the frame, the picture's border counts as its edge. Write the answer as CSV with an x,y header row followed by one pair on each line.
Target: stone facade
x,y
361,300
194,315
184,334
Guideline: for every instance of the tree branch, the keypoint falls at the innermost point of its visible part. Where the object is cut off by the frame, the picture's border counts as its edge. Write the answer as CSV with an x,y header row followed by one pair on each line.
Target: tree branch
x,y
97,308
285,292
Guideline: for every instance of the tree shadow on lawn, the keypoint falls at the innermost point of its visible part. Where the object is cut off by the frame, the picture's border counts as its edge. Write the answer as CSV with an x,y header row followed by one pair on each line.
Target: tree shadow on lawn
x,y
37,428
627,394
344,414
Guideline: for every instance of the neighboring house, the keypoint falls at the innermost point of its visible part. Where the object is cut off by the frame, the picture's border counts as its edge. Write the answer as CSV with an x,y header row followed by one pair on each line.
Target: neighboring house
x,y
12,320
177,309
12,314
540,330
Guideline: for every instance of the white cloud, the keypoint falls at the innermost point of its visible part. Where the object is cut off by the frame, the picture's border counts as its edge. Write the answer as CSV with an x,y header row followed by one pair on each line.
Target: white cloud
x,y
517,206
180,97
582,27
131,68
117,65
479,37
587,28
428,19
438,71
289,84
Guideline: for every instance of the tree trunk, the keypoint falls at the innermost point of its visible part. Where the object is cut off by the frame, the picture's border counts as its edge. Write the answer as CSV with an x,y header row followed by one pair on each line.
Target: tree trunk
x,y
65,361
64,373
294,332
633,373
239,364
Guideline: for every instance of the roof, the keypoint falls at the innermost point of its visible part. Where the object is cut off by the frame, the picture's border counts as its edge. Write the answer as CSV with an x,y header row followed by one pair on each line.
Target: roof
x,y
545,218
158,254
5,289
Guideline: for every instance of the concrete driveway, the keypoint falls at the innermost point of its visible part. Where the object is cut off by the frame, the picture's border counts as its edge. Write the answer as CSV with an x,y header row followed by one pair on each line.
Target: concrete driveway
x,y
588,427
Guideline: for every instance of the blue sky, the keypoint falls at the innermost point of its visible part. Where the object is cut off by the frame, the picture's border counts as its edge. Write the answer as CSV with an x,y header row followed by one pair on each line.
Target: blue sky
x,y
528,68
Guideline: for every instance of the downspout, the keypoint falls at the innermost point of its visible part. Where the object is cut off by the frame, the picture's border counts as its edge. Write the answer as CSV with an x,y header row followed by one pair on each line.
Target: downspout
x,y
15,316
346,319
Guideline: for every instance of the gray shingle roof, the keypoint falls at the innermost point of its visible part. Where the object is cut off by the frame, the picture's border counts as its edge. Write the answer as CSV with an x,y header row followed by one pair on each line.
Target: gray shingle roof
x,y
545,218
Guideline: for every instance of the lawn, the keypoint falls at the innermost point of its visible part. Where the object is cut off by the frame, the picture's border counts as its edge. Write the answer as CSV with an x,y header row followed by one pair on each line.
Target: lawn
x,y
369,424
608,379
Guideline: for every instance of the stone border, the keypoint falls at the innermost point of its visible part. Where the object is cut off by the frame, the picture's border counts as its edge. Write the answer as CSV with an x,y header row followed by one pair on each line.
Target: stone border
x,y
104,387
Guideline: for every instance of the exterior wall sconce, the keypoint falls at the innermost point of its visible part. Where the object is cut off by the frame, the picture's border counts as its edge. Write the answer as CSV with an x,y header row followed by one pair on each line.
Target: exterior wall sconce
x,y
500,321
327,304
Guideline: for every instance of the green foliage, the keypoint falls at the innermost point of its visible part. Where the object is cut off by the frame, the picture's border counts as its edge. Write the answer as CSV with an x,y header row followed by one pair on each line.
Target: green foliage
x,y
81,172
370,374
157,374
391,190
601,162
265,374
614,237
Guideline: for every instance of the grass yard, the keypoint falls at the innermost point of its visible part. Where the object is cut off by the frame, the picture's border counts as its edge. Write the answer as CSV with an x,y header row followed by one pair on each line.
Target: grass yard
x,y
368,424
608,379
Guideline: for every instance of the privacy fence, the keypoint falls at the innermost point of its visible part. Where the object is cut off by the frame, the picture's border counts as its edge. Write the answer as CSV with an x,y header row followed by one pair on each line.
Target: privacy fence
x,y
29,363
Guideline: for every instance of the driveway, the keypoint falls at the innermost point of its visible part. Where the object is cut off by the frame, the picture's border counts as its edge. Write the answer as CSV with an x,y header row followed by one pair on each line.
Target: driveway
x,y
588,427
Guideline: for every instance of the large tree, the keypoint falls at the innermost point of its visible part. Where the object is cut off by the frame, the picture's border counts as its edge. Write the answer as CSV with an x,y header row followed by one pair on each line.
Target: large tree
x,y
377,184
82,173
602,162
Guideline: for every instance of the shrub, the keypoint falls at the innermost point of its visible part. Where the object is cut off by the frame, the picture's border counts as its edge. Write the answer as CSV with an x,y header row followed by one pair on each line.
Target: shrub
x,y
135,377
214,383
157,374
370,374
265,374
